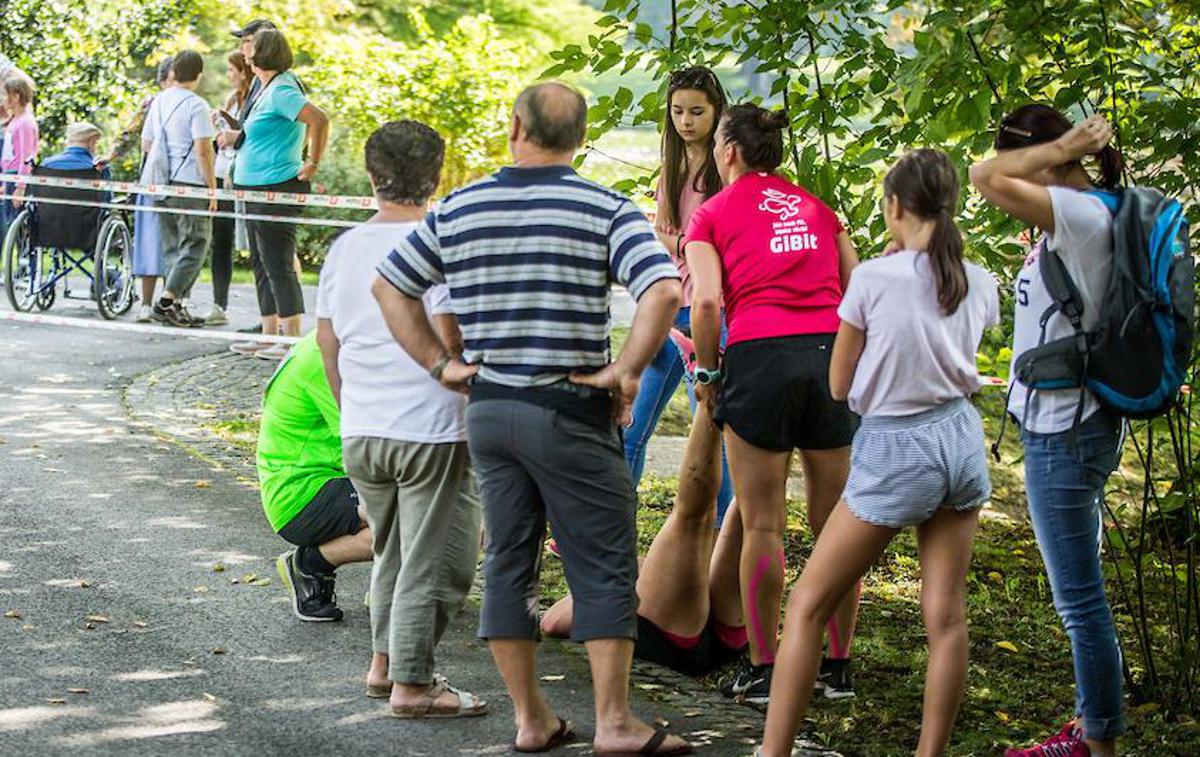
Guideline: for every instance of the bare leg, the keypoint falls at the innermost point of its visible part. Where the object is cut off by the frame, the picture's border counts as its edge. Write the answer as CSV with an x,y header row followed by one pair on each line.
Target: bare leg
x,y
825,474
536,722
148,284
945,543
290,326
673,582
270,324
845,550
617,730
377,674
724,583
350,548
760,484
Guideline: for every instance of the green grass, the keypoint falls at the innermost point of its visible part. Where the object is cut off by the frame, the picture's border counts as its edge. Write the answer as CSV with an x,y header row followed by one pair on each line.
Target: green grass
x,y
1011,697
244,275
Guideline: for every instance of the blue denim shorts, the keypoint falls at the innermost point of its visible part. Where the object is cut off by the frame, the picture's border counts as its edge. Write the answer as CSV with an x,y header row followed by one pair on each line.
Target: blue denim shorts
x,y
904,468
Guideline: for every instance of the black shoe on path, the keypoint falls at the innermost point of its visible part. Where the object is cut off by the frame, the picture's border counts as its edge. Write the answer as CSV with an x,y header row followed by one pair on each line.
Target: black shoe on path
x,y
313,599
751,684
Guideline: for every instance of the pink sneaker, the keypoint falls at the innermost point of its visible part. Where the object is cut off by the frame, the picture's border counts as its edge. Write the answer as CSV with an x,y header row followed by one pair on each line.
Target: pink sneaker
x,y
687,349
1067,743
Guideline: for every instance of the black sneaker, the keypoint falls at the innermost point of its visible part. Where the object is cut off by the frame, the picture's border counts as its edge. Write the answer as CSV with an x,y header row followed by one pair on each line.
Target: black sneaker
x,y
313,598
751,684
174,314
834,679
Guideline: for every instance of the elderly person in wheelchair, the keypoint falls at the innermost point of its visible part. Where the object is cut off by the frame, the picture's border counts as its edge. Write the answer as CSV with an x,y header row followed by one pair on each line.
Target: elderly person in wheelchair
x,y
70,229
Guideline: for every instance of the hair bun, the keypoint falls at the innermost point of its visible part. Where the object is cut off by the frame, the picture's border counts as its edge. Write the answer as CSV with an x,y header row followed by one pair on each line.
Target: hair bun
x,y
772,120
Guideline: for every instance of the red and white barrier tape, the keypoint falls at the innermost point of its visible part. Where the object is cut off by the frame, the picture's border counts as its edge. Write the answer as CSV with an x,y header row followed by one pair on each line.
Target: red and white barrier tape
x,y
341,223
340,202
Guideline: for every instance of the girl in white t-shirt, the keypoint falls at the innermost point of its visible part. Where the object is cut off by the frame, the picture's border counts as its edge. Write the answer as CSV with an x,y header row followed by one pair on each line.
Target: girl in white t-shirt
x,y
1038,176
911,323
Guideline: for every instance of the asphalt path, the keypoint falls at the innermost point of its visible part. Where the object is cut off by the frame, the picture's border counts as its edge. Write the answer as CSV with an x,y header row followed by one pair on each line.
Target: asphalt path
x,y
121,633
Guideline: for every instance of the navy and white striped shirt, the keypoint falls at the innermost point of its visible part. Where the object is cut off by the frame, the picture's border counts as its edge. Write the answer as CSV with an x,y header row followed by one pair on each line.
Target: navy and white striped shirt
x,y
529,255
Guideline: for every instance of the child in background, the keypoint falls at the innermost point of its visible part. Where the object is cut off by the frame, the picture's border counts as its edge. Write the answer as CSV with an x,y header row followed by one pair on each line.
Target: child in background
x,y
905,357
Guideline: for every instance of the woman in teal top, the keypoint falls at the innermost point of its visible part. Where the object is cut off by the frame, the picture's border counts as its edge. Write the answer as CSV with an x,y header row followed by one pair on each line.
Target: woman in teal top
x,y
271,156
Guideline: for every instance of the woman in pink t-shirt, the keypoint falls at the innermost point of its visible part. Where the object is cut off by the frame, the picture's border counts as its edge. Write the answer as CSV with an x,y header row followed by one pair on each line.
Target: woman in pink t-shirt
x,y
780,260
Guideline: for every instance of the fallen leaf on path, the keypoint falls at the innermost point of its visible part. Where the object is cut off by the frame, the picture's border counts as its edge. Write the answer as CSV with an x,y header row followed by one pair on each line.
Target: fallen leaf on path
x,y
89,627
204,484
28,627
263,582
85,584
219,650
14,614
209,697
219,567
552,679
201,589
53,470
56,701
249,578
692,714
97,618
78,691
1007,646
235,581
140,624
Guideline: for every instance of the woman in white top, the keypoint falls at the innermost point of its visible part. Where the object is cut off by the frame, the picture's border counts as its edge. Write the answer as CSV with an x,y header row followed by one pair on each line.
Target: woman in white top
x,y
904,357
1038,177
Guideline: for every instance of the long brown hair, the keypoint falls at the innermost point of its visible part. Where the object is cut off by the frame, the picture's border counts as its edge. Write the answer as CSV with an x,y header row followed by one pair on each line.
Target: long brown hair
x,y
238,61
925,183
1036,124
675,168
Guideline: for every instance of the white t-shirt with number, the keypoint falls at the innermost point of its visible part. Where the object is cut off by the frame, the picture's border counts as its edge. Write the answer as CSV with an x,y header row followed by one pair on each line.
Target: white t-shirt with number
x,y
1083,238
385,393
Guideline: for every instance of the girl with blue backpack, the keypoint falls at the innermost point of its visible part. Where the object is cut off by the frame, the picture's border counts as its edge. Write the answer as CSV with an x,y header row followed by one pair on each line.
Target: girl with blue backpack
x,y
1072,443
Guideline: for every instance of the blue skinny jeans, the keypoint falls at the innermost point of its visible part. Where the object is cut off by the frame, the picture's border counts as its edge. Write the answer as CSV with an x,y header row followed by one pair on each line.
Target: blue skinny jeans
x,y
1065,487
659,381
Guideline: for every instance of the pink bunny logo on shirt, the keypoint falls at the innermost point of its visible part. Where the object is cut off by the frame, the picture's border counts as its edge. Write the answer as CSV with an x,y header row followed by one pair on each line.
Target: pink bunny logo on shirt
x,y
785,206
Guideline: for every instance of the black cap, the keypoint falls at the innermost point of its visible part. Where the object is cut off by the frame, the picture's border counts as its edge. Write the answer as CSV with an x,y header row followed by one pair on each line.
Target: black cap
x,y
254,26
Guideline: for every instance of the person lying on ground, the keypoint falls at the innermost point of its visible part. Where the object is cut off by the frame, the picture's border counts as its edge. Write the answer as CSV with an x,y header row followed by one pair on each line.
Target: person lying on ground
x,y
689,612
306,495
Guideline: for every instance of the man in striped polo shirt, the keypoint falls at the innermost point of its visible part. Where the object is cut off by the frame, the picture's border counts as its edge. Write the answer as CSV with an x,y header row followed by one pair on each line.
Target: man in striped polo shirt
x,y
529,255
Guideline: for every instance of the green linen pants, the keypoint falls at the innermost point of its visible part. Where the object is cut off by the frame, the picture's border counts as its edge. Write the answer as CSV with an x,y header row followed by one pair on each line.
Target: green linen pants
x,y
423,506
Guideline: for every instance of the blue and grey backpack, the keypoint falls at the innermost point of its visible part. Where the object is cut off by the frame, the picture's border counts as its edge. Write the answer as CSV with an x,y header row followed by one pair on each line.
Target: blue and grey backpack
x,y
1137,356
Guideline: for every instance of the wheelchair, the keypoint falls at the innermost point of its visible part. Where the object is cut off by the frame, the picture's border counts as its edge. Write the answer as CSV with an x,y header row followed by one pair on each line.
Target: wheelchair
x,y
47,241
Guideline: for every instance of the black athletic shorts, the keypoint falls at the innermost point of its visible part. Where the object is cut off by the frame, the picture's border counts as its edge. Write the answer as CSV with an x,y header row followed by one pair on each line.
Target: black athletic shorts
x,y
331,514
775,395
653,645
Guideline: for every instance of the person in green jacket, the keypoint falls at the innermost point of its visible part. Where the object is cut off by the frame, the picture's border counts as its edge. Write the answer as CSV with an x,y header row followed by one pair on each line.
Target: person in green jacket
x,y
306,495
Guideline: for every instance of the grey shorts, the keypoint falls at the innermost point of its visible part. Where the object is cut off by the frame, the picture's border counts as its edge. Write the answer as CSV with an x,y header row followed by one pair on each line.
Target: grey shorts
x,y
904,468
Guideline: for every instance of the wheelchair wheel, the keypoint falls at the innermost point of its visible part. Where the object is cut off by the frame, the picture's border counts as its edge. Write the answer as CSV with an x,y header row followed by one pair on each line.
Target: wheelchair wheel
x,y
23,268
113,268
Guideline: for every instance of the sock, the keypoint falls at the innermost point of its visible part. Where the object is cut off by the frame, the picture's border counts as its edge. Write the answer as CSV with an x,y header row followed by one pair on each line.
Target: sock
x,y
311,561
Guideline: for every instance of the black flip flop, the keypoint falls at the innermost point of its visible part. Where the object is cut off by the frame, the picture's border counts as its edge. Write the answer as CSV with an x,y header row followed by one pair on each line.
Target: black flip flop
x,y
651,747
557,739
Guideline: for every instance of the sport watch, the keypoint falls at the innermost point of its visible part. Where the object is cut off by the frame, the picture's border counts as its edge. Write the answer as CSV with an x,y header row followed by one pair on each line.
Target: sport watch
x,y
704,376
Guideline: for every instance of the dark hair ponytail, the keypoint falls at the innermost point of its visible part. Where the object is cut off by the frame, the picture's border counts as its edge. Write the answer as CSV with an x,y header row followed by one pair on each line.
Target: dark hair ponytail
x,y
1036,124
758,134
925,183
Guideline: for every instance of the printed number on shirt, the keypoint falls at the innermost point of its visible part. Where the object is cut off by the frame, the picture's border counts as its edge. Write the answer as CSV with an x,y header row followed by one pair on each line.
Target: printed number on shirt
x,y
1023,292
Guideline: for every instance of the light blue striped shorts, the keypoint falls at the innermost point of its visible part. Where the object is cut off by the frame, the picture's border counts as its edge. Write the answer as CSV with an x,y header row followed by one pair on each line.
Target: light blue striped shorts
x,y
903,468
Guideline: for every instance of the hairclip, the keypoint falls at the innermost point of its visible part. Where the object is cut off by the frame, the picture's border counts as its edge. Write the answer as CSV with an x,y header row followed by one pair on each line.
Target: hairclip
x,y
1015,130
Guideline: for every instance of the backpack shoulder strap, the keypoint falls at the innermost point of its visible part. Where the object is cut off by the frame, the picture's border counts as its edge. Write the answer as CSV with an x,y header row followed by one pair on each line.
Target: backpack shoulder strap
x,y
1111,200
1061,287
